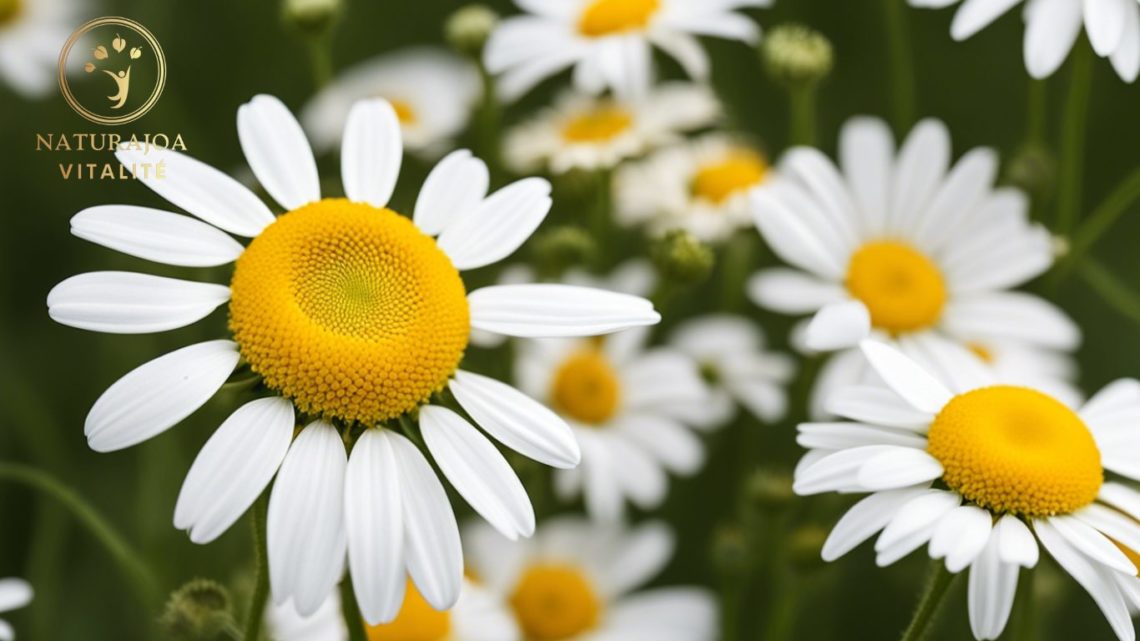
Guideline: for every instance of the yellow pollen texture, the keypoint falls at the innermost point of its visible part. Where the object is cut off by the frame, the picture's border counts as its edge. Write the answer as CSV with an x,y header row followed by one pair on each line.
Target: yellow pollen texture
x,y
1013,449
586,387
349,310
735,173
608,17
902,288
600,124
554,602
417,621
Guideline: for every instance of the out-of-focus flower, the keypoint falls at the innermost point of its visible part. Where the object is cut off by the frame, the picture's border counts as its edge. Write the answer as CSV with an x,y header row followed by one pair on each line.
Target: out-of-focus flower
x,y
1052,27
468,28
14,594
347,311
578,580
312,16
432,91
795,55
1019,468
700,186
681,258
609,42
583,132
31,35
906,247
198,610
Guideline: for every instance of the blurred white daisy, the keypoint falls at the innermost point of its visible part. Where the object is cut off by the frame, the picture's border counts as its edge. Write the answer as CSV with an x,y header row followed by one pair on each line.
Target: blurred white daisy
x,y
1018,467
608,42
733,360
576,581
1052,27
433,92
701,186
346,311
14,594
31,34
585,132
905,246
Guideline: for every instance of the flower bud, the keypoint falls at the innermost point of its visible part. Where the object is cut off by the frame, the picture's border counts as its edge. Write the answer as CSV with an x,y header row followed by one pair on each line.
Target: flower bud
x,y
558,248
198,610
467,29
769,491
797,56
681,258
118,44
101,53
313,17
1033,169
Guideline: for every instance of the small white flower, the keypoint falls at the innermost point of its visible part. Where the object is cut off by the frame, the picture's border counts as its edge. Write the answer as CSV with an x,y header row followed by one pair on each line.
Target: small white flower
x,y
31,34
14,594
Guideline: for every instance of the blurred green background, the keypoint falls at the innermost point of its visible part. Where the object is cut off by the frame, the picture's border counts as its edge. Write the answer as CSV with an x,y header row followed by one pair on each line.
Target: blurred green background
x,y
220,53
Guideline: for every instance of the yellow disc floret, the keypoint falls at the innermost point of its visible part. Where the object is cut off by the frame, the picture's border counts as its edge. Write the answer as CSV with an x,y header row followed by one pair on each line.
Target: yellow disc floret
x,y
608,17
417,621
1013,449
405,112
349,310
554,602
737,172
601,124
902,288
586,387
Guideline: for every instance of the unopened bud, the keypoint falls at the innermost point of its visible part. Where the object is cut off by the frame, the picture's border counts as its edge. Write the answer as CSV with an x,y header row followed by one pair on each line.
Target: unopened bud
x,y
795,55
1033,169
681,258
312,17
468,28
196,611
769,491
805,546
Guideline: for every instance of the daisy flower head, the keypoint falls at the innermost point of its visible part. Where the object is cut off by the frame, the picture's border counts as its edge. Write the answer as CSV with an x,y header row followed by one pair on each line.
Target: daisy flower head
x,y
14,594
431,89
1053,26
355,319
577,581
31,35
585,132
985,477
701,186
905,246
608,42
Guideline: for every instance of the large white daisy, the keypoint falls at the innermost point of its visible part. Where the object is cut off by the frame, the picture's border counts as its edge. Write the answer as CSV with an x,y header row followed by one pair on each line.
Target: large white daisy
x,y
1052,26
356,318
906,246
1011,467
31,35
576,581
608,41
14,594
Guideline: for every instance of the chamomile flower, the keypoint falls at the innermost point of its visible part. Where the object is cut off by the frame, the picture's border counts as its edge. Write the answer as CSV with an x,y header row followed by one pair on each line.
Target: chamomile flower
x,y
31,35
904,246
356,318
585,132
608,42
701,186
14,594
577,581
432,91
1053,26
1014,468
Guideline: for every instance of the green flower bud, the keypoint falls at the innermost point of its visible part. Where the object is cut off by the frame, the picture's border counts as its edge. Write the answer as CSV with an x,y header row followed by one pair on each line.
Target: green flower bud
x,y
313,17
805,546
1034,169
796,56
681,258
769,491
558,248
468,28
198,610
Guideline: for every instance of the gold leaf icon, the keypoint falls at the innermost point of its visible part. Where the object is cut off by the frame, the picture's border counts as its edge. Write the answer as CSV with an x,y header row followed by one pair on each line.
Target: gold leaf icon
x,y
101,52
118,43
136,53
89,67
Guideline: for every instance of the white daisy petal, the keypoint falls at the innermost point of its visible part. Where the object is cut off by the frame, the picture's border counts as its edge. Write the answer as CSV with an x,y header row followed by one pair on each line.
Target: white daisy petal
x,y
551,311
961,536
922,163
838,326
1015,542
1126,58
371,152
498,225
156,235
1119,398
790,291
6,631
234,467
864,519
840,436
1112,524
990,594
837,471
1092,543
1122,497
917,515
640,556
879,406
158,394
1012,315
455,187
278,152
898,467
130,303
1104,23
1053,27
907,379
686,50
975,15
790,237
866,153
14,593
670,442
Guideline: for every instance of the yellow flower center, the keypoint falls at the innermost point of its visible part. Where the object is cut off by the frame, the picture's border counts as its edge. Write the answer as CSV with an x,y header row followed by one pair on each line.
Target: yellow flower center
x,y
555,602
601,124
417,621
1013,449
10,10
405,112
735,173
902,289
607,17
586,387
349,310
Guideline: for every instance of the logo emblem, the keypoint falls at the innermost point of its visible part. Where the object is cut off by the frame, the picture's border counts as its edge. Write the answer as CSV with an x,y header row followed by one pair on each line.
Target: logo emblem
x,y
124,71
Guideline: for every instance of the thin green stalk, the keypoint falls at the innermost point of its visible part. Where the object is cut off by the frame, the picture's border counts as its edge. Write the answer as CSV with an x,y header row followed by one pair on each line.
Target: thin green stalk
x,y
903,92
140,577
937,586
601,217
1025,629
802,101
320,56
256,613
738,262
781,621
1104,217
348,608
730,596
1036,120
489,122
1114,291
1073,139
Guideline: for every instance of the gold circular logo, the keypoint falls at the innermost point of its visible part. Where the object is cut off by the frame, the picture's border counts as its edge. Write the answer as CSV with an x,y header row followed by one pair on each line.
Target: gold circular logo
x,y
124,71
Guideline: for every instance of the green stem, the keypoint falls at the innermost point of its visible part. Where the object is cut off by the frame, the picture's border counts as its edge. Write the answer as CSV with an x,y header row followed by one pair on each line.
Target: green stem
x,y
1114,291
1073,139
1025,605
730,608
601,220
781,622
738,262
1035,112
802,102
903,90
320,56
351,612
1104,217
937,586
256,613
489,121
139,576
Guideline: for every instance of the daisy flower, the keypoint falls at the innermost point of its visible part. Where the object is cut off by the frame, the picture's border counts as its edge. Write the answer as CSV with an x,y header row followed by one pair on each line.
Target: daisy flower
x,y
431,89
731,354
31,35
608,42
1012,467
1052,27
576,581
701,186
14,594
356,319
586,132
905,246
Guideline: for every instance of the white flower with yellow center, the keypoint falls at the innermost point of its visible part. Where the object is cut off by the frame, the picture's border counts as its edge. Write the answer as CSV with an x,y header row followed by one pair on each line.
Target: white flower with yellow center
x,y
905,246
432,91
584,132
31,35
14,594
576,581
354,316
1011,467
1053,26
608,42
701,186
